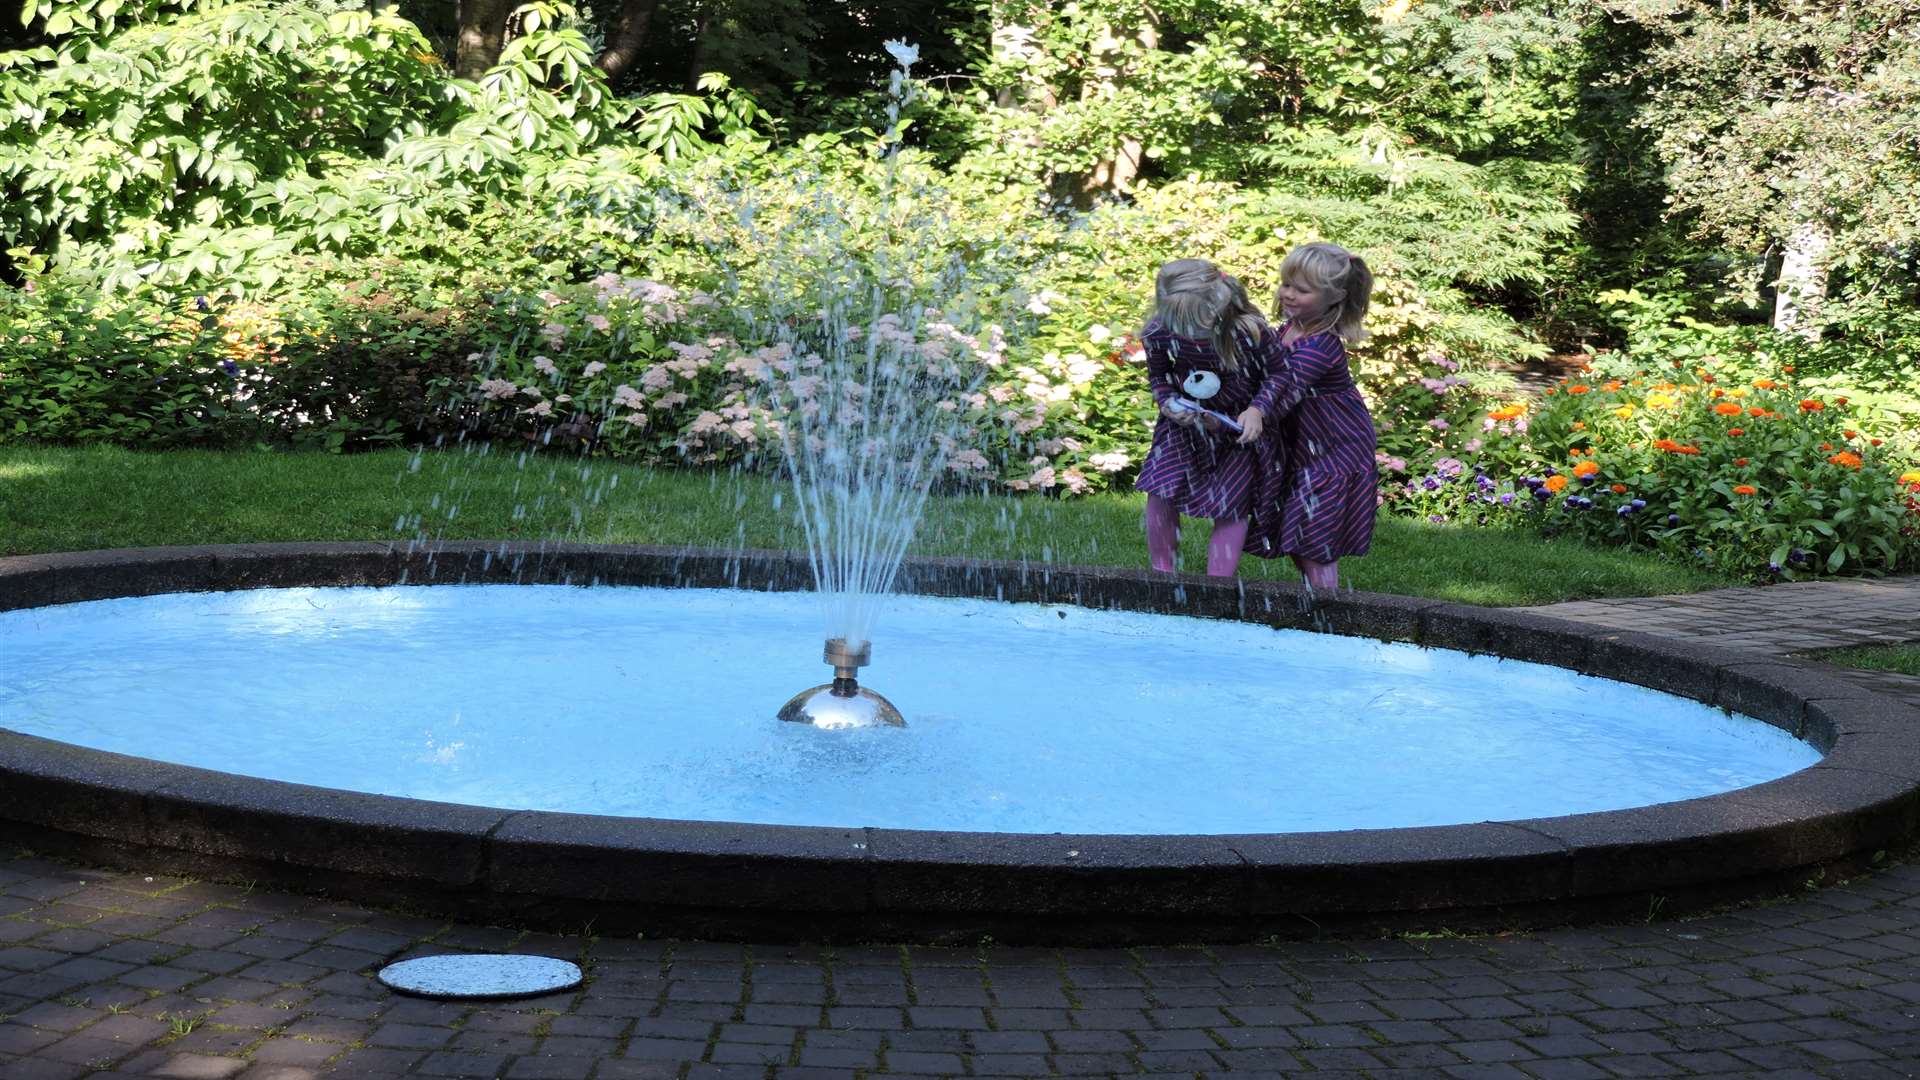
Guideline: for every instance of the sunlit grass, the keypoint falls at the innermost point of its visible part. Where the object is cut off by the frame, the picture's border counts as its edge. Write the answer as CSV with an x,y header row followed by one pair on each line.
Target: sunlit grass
x,y
56,499
1904,659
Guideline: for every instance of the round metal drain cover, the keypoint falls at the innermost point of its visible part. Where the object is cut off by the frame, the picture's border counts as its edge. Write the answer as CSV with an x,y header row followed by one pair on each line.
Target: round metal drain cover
x,y
481,975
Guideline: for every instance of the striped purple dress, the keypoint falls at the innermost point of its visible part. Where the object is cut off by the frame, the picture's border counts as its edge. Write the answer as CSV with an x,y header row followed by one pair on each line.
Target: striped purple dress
x,y
1330,495
1209,474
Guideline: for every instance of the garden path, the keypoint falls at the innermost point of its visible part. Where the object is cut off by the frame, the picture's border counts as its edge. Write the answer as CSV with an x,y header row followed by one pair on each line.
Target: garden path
x,y
1791,619
106,973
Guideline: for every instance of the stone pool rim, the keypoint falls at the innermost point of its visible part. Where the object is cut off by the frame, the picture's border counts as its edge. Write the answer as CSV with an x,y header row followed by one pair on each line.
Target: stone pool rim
x,y
723,879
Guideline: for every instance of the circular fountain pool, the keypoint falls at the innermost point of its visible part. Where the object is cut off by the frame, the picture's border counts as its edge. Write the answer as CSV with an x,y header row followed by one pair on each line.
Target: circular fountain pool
x,y
1039,701
1025,718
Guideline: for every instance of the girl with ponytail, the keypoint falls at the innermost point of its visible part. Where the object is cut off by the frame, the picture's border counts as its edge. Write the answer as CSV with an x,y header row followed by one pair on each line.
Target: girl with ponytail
x,y
1331,496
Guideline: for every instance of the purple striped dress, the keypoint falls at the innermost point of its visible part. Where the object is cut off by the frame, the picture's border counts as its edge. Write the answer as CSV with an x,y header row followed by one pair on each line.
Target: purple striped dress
x,y
1330,496
1209,474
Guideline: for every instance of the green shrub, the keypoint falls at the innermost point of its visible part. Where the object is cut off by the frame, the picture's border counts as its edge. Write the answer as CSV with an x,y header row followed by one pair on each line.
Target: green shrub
x,y
76,368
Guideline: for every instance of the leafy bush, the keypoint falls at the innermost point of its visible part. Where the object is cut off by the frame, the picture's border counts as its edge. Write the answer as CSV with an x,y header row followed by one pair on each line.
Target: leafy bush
x,y
75,368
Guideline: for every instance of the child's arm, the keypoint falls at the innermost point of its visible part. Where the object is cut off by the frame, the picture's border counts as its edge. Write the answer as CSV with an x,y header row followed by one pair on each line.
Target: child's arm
x,y
1289,379
1160,380
1159,369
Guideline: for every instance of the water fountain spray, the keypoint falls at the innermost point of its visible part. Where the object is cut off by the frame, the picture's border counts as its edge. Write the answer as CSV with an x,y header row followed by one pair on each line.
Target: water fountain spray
x,y
865,381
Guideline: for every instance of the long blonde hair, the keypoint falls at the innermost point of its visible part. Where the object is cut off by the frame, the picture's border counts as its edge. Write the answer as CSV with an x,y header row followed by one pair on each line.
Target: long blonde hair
x,y
1194,299
1333,269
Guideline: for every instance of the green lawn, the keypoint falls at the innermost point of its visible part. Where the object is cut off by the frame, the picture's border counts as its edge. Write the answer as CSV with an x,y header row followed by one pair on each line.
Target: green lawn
x,y
74,499
1904,659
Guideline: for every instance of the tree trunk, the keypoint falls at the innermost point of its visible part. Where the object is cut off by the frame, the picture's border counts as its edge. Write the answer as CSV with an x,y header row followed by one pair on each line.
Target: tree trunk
x,y
1803,281
483,30
697,56
1118,172
628,37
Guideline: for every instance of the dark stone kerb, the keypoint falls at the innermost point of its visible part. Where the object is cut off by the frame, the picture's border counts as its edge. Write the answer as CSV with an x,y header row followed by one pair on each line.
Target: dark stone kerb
x,y
731,879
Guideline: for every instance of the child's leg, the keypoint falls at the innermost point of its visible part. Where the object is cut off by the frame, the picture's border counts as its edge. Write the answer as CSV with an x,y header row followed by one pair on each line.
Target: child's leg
x,y
1321,576
1224,547
1163,532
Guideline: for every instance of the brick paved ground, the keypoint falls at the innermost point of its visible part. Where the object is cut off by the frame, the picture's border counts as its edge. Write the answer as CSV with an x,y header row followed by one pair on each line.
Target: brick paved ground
x,y
1794,618
116,974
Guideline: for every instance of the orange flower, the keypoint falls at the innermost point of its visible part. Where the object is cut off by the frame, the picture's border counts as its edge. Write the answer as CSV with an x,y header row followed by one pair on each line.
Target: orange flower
x,y
1587,468
1812,405
1719,393
1556,483
1508,412
1619,489
1739,461
1736,432
1704,377
1873,442
1845,459
1786,368
1684,449
1755,410
1578,388
1827,446
1849,434
1765,384
1839,401
1575,452
1579,425
1727,408
1746,489
1612,385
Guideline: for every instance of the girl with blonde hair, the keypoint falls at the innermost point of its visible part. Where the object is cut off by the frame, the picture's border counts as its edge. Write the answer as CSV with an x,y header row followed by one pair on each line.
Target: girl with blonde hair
x,y
1213,364
1330,499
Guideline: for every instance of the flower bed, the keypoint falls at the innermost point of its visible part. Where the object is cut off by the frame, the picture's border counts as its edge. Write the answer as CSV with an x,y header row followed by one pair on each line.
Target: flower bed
x,y
1733,465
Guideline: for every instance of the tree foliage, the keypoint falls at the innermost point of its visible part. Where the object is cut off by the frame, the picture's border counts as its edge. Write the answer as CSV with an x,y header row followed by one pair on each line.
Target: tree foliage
x,y
206,140
1773,113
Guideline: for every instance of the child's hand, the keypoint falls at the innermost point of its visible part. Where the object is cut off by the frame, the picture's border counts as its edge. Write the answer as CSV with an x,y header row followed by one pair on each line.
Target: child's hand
x,y
1251,422
1185,417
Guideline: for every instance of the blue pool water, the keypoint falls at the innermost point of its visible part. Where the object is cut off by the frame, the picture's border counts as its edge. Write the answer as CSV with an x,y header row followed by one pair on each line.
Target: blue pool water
x,y
1022,718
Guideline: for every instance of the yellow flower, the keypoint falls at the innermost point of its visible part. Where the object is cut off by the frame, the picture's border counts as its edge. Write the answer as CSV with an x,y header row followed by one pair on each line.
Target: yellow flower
x,y
1624,412
1658,401
1392,11
1910,477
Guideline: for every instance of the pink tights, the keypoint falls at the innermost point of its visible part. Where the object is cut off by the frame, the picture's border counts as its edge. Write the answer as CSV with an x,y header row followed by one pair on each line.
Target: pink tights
x,y
1163,539
1319,576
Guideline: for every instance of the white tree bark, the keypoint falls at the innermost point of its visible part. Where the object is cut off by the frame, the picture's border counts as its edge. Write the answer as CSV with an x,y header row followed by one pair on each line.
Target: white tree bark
x,y
1803,281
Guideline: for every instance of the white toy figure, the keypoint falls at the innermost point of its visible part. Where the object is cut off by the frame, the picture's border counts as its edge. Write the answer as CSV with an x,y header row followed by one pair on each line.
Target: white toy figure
x,y
1201,385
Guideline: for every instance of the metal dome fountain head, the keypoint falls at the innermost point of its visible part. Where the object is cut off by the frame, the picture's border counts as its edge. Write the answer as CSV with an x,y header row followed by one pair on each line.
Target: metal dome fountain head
x,y
843,703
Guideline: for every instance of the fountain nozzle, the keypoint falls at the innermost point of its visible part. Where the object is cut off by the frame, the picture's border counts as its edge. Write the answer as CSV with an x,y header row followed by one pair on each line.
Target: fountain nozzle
x,y
843,703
